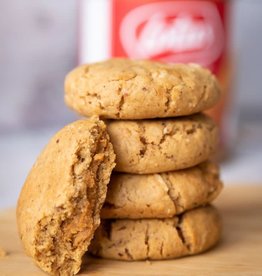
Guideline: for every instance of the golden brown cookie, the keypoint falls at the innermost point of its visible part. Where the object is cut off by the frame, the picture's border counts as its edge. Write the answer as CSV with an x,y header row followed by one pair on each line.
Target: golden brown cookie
x,y
160,145
132,89
59,205
190,233
161,195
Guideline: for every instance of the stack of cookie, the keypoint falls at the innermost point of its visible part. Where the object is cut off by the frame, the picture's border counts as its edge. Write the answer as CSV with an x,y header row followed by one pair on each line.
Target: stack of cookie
x,y
157,204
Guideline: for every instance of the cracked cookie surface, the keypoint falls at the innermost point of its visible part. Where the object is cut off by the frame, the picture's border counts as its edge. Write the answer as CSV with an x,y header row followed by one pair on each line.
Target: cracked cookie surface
x,y
59,205
132,89
161,195
160,145
154,239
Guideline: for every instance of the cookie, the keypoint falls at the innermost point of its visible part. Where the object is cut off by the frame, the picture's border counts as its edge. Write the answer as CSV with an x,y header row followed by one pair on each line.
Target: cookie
x,y
132,89
161,195
155,239
59,205
160,145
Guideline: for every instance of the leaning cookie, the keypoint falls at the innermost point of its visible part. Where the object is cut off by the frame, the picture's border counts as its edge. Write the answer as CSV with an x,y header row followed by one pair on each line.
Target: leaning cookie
x,y
161,195
160,145
133,89
190,233
59,205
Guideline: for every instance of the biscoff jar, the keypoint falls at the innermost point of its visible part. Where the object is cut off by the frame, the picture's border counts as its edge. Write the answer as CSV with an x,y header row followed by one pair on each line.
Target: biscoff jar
x,y
169,31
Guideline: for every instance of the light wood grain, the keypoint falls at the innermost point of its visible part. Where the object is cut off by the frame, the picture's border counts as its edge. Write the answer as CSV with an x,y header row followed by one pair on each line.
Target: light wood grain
x,y
238,253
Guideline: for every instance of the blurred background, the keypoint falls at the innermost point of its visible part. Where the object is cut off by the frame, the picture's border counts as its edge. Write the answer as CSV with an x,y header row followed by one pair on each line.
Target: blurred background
x,y
42,41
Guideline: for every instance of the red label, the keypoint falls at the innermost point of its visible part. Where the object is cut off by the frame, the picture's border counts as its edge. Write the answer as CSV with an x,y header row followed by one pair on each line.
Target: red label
x,y
170,31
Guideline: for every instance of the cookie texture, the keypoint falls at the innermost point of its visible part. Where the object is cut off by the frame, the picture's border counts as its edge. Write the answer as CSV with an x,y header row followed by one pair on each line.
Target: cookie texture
x,y
132,89
190,233
161,195
160,145
59,205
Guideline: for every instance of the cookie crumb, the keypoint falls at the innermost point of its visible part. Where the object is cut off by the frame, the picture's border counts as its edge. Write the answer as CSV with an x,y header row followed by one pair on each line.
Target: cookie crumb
x,y
3,253
148,262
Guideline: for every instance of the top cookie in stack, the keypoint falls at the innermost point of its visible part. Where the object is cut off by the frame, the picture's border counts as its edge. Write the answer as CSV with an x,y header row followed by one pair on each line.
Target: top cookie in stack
x,y
128,89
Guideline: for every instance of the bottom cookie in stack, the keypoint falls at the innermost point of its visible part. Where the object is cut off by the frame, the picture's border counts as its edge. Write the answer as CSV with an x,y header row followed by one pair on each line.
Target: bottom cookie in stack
x,y
158,216
190,233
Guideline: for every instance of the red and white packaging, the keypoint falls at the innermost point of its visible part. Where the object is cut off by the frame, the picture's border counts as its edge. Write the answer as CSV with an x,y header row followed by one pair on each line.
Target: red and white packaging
x,y
169,31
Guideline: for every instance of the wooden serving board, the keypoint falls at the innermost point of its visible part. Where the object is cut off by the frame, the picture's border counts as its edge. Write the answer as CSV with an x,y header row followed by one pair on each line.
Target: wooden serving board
x,y
238,253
